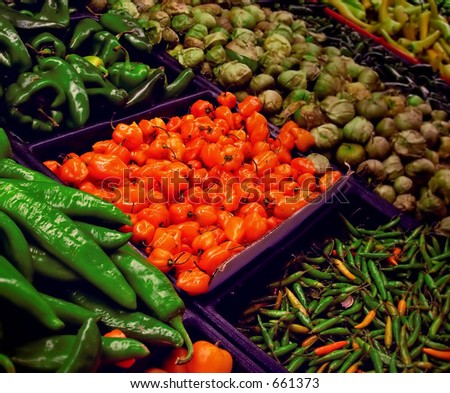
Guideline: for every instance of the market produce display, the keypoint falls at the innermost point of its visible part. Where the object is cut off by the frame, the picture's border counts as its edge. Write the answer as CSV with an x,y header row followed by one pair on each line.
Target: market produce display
x,y
416,29
37,226
201,187
110,246
377,300
76,71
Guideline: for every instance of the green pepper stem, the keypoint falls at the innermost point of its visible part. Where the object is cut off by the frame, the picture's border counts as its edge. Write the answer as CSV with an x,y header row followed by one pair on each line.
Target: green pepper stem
x,y
177,323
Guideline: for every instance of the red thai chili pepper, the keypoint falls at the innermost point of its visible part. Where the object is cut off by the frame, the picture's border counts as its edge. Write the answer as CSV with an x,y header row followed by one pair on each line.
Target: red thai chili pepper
x,y
325,349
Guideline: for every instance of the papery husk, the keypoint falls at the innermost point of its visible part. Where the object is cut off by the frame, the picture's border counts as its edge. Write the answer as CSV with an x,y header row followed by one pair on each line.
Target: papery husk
x,y
378,147
409,144
386,192
373,170
406,203
403,185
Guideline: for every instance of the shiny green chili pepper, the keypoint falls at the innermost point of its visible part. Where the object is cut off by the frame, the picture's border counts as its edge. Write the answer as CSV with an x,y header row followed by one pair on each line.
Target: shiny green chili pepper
x,y
46,265
77,100
299,293
69,200
414,335
144,93
265,334
393,363
335,365
327,324
122,23
83,30
85,355
323,305
6,364
315,273
59,235
308,282
46,44
154,289
108,239
376,360
375,274
356,306
287,280
133,324
353,230
5,145
16,289
336,331
403,346
69,312
337,354
284,350
295,364
15,246
14,55
179,84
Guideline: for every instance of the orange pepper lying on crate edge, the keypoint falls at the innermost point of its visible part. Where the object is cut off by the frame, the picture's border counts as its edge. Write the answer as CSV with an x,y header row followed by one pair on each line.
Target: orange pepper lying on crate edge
x,y
207,358
199,188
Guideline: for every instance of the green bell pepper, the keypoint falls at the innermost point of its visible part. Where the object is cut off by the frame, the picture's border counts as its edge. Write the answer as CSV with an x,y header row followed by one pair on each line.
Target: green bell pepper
x,y
35,102
98,86
14,55
46,44
107,47
78,109
128,75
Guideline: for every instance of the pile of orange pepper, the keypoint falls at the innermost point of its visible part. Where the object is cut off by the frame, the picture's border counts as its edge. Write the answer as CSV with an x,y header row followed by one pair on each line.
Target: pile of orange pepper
x,y
200,187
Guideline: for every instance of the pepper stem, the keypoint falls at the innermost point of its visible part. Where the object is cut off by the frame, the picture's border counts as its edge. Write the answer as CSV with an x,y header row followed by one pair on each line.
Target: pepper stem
x,y
48,117
177,323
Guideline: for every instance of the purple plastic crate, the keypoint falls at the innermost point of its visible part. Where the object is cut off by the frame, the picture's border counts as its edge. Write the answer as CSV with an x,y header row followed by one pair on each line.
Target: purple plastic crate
x,y
224,307
82,140
198,329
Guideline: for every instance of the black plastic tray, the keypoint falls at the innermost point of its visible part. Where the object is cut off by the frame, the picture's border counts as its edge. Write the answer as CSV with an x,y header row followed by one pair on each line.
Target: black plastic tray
x,y
224,308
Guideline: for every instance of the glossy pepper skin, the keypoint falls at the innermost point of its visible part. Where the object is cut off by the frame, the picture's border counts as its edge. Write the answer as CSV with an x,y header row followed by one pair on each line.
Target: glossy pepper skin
x,y
15,288
5,145
34,102
46,44
73,202
121,22
48,266
48,354
107,47
84,356
133,324
83,31
98,86
154,288
54,14
14,246
59,235
68,312
14,55
128,75
108,239
77,100
143,93
6,364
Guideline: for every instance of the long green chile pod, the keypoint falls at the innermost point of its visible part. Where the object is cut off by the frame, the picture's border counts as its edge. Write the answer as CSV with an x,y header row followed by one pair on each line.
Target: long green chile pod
x,y
155,290
70,312
15,288
106,238
6,364
85,354
49,353
133,324
5,145
11,169
75,203
15,246
48,266
59,235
